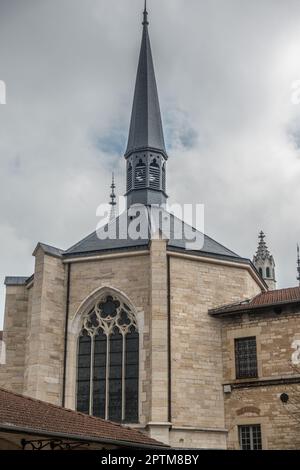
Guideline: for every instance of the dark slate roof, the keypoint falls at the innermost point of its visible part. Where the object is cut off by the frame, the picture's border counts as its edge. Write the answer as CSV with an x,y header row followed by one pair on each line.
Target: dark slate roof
x,y
266,299
30,415
146,129
49,250
15,280
92,244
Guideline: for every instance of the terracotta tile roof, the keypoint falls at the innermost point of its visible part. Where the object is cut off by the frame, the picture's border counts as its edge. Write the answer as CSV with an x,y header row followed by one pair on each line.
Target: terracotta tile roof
x,y
33,415
270,298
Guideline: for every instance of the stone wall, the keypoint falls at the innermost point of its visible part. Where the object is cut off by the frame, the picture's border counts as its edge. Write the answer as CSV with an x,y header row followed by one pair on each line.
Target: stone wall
x,y
46,330
197,370
14,337
275,334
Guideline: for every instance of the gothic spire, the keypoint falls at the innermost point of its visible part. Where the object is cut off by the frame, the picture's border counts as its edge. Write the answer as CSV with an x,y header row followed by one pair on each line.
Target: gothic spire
x,y
298,264
264,262
262,249
146,131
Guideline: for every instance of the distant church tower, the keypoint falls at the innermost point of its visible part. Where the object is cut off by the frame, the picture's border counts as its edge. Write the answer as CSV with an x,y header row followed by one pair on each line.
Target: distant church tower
x,y
264,262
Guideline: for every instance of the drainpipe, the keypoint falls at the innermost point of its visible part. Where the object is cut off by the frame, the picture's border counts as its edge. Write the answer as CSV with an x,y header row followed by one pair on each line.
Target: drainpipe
x,y
66,335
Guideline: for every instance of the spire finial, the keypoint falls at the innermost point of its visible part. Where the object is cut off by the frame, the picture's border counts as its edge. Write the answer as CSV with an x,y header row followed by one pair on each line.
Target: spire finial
x,y
145,20
113,198
298,263
262,236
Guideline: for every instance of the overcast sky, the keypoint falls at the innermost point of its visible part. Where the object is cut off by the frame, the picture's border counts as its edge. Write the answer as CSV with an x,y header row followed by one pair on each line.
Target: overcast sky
x,y
224,69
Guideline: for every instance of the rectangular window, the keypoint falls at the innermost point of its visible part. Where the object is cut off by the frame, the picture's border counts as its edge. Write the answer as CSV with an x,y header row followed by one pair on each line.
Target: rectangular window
x,y
250,437
245,358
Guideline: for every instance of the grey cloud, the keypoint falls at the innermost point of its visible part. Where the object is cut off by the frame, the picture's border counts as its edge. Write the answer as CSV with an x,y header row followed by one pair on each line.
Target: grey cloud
x,y
224,71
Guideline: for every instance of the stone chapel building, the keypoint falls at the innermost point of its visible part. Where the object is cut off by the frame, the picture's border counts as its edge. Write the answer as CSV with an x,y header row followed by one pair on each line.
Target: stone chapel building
x,y
187,345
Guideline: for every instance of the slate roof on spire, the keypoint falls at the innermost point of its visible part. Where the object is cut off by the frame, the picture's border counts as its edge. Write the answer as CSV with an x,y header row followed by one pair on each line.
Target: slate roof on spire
x,y
146,130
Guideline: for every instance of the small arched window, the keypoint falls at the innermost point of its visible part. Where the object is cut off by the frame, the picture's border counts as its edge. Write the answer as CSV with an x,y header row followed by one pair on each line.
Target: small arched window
x,y
108,362
267,272
260,272
140,175
154,175
129,177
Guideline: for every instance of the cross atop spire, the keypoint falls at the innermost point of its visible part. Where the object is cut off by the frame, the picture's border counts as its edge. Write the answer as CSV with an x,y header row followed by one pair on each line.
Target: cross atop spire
x,y
262,249
145,20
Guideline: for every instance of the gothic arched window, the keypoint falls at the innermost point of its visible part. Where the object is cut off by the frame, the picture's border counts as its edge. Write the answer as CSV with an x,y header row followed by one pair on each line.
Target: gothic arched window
x,y
261,272
108,362
154,175
268,272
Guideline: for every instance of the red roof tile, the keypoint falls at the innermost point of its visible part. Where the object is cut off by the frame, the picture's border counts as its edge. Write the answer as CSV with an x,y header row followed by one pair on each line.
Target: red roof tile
x,y
34,415
270,298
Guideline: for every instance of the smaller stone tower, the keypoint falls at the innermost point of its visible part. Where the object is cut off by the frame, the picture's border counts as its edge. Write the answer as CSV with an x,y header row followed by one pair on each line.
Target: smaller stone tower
x,y
264,262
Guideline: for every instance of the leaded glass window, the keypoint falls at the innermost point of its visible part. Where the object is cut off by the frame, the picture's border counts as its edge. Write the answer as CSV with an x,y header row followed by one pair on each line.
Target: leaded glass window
x,y
108,362
250,437
245,358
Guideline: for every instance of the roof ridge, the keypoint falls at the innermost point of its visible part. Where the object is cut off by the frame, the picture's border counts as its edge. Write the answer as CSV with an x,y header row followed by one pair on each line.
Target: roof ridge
x,y
94,231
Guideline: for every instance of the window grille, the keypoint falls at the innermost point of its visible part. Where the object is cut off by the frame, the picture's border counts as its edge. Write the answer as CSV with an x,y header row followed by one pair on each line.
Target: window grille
x,y
250,437
245,358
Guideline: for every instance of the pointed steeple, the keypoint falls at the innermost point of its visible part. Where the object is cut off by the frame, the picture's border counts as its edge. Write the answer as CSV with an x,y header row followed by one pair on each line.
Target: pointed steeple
x,y
146,131
264,262
146,152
